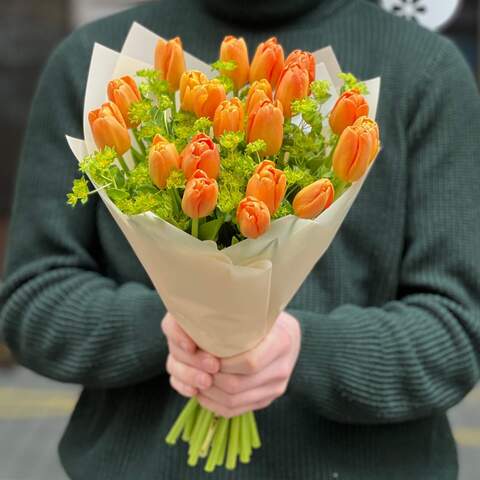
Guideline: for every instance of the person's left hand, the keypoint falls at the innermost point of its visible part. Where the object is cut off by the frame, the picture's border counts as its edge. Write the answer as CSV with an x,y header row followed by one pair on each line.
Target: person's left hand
x,y
253,380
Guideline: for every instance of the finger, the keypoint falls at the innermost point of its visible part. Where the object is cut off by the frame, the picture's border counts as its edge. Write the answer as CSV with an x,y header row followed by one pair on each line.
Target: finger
x,y
278,370
199,359
175,333
182,388
226,412
275,344
188,375
245,399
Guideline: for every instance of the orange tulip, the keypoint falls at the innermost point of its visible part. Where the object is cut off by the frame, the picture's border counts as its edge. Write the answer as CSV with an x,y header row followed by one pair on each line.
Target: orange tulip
x,y
349,107
236,49
229,117
268,184
259,91
162,159
200,196
305,59
311,201
371,127
265,122
356,149
268,62
201,153
123,92
207,97
109,128
188,81
292,85
170,61
253,217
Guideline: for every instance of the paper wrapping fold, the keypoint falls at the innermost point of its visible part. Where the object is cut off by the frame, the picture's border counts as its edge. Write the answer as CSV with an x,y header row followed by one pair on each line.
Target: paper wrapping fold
x,y
226,300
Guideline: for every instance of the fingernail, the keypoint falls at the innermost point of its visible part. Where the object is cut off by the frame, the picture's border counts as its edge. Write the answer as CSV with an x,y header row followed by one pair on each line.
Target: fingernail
x,y
203,381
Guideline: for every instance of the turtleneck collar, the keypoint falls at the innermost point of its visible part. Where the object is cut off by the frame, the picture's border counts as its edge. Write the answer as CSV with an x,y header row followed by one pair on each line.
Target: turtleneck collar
x,y
262,11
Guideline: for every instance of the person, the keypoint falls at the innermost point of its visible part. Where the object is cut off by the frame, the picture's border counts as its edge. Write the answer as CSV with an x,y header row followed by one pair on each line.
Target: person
x,y
380,341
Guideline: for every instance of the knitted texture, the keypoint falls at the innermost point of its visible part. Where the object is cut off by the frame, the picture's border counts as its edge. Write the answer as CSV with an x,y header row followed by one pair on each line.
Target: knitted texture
x,y
390,315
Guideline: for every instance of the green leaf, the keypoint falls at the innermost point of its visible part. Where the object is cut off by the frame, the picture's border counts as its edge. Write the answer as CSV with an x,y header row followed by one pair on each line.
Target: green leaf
x,y
350,81
256,146
231,140
209,230
146,189
202,125
320,90
117,195
176,179
224,65
137,156
79,193
227,83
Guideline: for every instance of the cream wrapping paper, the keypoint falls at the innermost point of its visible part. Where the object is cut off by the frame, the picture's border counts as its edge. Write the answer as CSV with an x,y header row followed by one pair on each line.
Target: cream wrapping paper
x,y
226,300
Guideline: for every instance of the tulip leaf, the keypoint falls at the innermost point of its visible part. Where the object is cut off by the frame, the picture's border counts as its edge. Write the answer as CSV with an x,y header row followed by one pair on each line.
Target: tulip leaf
x,y
137,156
116,194
209,230
117,176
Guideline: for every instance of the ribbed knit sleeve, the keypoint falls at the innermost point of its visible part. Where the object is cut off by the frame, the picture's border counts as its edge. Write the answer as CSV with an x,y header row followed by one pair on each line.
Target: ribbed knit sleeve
x,y
418,354
61,315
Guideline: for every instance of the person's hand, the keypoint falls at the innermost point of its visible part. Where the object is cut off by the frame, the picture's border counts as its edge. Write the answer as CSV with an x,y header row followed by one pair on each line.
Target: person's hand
x,y
190,368
253,380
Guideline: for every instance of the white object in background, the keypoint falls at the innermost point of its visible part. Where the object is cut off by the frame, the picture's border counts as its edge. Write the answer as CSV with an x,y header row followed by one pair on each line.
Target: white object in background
x,y
85,11
432,14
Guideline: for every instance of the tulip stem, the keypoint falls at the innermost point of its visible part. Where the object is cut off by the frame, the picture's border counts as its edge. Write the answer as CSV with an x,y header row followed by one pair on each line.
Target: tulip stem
x,y
195,227
336,139
123,164
139,142
174,105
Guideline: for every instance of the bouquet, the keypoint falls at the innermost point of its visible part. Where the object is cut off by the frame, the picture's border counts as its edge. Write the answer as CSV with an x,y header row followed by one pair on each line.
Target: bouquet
x,y
229,181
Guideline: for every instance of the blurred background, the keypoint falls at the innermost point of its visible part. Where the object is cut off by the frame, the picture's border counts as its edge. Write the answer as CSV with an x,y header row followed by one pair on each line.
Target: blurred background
x,y
33,410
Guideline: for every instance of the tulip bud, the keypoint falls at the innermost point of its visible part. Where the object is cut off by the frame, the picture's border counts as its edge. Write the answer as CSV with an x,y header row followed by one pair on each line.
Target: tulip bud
x,y
201,153
311,201
355,150
229,117
265,122
253,217
200,196
235,49
162,159
268,184
267,62
371,127
123,92
349,107
293,84
207,97
188,81
170,61
305,59
109,128
259,91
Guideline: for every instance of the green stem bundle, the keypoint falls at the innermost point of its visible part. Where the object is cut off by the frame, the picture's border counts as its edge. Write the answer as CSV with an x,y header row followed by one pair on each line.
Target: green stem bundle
x,y
219,440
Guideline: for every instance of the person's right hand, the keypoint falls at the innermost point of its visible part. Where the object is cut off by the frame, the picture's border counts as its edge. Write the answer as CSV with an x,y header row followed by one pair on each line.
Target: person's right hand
x,y
190,368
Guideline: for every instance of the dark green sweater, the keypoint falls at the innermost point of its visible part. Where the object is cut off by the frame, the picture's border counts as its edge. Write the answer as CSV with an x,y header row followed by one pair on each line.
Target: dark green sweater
x,y
390,315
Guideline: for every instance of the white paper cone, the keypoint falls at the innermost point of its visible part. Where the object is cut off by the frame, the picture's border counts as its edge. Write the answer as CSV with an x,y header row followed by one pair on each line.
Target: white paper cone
x,y
226,300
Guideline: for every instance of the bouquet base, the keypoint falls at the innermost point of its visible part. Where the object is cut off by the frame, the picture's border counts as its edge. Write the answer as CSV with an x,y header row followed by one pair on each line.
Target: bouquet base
x,y
219,440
